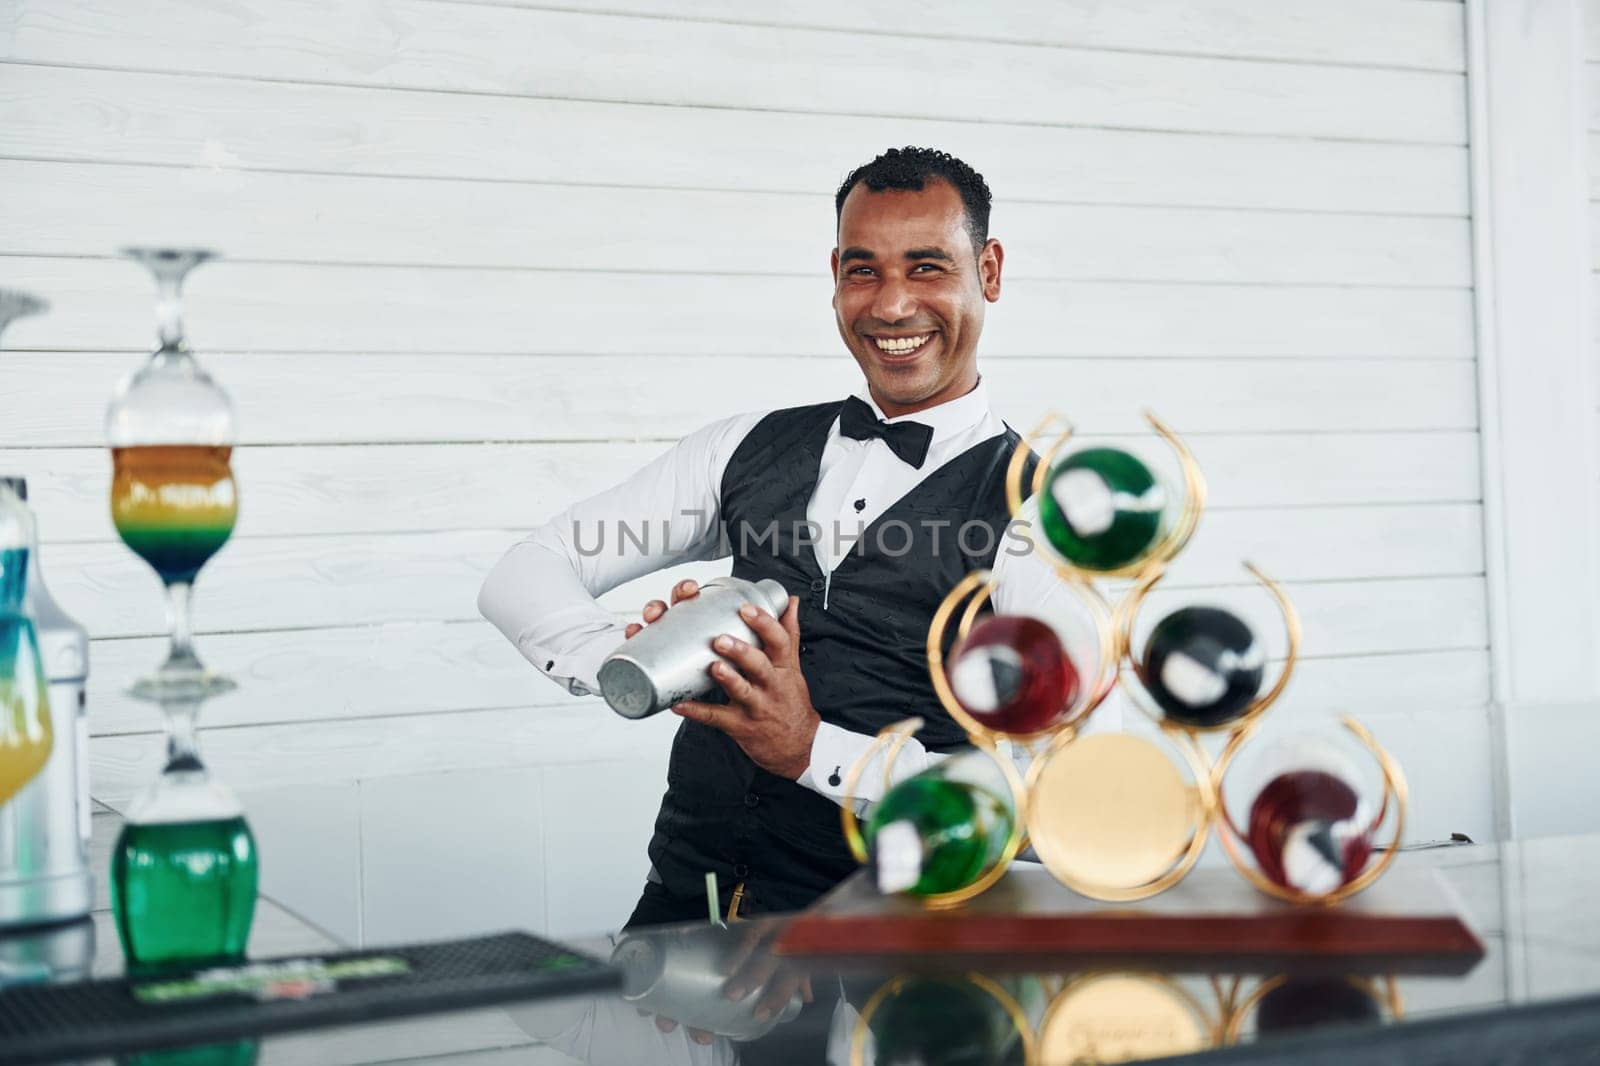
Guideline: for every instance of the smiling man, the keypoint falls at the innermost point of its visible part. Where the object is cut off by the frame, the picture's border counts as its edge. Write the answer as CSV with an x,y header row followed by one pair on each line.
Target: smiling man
x,y
867,510
912,271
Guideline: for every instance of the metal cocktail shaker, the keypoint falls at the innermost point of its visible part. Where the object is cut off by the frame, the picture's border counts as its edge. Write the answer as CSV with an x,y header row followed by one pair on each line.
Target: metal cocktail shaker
x,y
44,829
681,973
669,661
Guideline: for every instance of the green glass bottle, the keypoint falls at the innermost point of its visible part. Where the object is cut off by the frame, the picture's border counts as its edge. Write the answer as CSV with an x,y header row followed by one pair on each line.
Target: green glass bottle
x,y
941,830
184,871
184,891
1102,509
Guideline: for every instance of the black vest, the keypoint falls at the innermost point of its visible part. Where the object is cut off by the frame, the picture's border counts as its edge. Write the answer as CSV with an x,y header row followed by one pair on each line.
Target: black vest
x,y
864,654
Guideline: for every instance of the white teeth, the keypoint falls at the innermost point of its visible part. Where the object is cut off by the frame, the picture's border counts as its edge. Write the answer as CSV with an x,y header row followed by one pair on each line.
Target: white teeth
x,y
900,345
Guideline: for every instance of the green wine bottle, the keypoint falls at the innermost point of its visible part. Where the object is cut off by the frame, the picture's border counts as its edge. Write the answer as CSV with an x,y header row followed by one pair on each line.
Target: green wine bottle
x,y
1102,508
184,891
941,830
185,868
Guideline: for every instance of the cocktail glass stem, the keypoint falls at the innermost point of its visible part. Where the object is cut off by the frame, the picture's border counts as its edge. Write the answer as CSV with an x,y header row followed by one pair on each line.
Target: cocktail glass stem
x,y
170,266
181,655
182,677
169,313
183,749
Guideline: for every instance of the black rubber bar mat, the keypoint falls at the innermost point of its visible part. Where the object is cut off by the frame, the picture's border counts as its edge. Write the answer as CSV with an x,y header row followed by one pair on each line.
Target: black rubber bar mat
x,y
44,1022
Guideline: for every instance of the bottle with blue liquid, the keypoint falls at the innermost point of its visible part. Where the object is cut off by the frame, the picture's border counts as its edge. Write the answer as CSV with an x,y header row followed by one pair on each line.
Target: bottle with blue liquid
x,y
26,737
44,827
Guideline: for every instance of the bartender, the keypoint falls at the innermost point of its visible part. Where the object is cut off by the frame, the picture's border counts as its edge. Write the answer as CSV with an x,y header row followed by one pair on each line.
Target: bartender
x,y
868,510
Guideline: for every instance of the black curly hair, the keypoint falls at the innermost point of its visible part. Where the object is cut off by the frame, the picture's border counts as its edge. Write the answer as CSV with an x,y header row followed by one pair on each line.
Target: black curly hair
x,y
912,168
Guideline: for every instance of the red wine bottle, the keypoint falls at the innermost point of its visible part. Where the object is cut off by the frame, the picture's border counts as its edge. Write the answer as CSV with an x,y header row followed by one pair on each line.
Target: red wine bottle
x,y
1308,833
1012,674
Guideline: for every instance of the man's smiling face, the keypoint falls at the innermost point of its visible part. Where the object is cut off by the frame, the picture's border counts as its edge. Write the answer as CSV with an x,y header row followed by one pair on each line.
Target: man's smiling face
x,y
909,293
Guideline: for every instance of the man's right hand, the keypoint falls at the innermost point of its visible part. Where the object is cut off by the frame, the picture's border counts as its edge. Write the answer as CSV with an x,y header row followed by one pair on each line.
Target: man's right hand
x,y
683,590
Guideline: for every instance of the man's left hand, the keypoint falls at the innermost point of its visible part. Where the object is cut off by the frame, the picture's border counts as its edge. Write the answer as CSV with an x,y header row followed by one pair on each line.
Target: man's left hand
x,y
769,713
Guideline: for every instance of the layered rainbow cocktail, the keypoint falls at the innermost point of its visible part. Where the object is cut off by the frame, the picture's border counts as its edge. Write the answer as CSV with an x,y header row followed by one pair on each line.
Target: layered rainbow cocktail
x,y
174,505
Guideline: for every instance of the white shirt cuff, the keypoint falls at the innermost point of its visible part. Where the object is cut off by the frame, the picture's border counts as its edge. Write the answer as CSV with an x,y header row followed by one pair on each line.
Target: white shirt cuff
x,y
836,749
577,670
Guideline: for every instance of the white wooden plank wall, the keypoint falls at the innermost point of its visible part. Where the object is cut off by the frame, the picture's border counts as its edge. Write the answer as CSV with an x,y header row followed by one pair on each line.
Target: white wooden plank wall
x,y
482,257
1592,69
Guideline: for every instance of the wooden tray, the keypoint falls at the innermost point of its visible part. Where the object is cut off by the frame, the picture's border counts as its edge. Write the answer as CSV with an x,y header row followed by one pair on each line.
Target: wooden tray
x,y
1211,922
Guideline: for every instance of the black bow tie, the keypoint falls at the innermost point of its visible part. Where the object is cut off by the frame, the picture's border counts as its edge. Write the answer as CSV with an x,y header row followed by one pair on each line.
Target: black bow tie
x,y
908,440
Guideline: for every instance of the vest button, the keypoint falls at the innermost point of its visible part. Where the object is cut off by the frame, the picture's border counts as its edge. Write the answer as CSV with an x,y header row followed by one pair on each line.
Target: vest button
x,y
751,799
818,585
741,871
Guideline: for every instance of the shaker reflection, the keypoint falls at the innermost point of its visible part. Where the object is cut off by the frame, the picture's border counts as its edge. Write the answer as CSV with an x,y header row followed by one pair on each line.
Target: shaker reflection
x,y
709,994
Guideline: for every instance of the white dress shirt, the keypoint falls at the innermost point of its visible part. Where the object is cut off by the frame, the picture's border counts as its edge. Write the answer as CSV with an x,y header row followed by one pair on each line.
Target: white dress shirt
x,y
541,594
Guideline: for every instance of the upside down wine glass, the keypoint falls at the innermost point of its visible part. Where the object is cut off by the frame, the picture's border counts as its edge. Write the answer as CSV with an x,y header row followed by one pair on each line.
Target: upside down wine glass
x,y
171,432
184,870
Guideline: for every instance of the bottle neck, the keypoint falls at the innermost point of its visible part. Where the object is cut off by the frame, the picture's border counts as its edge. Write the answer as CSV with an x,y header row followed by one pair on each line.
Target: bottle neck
x,y
173,361
16,548
13,579
169,314
183,747
898,856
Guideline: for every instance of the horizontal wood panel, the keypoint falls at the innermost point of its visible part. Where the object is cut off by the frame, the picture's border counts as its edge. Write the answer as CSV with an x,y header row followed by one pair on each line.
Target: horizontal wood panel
x,y
1379,32
311,581
401,668
421,45
318,218
1375,687
272,756
397,488
1447,754
277,307
1342,619
421,667
60,399
133,117
1445,779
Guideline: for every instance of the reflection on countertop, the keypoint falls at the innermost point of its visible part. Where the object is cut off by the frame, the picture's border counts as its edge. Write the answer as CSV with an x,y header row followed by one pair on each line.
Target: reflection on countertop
x,y
704,994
